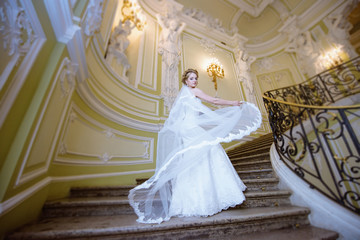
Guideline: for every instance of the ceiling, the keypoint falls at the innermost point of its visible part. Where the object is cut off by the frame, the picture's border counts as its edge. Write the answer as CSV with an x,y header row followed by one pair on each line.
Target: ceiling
x,y
257,20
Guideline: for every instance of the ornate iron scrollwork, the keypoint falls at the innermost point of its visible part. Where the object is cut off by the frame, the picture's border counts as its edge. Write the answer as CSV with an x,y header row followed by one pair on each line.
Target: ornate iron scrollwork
x,y
317,139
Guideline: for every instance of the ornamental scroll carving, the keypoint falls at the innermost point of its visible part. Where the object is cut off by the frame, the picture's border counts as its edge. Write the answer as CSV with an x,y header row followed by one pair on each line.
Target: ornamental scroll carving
x,y
15,28
67,77
210,22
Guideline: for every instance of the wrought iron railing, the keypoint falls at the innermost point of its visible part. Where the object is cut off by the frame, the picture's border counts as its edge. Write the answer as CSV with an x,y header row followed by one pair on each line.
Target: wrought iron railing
x,y
318,139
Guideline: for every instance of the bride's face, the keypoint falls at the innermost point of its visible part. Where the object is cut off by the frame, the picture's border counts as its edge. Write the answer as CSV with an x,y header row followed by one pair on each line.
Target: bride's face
x,y
191,81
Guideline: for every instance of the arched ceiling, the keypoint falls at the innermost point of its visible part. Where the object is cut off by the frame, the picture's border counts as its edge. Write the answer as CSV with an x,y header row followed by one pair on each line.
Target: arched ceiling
x,y
257,20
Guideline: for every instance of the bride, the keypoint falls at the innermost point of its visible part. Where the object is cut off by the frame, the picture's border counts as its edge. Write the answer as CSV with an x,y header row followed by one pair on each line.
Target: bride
x,y
194,176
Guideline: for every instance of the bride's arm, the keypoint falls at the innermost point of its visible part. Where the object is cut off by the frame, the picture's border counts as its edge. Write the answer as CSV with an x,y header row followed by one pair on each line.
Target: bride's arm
x,y
218,101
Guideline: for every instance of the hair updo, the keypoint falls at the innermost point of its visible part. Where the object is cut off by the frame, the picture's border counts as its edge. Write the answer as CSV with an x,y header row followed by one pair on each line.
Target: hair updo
x,y
187,73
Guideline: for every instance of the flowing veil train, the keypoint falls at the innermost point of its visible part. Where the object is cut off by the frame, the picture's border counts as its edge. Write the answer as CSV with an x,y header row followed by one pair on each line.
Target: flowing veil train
x,y
189,138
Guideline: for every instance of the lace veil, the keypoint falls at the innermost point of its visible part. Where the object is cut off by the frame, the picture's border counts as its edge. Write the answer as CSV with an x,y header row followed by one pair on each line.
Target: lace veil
x,y
189,132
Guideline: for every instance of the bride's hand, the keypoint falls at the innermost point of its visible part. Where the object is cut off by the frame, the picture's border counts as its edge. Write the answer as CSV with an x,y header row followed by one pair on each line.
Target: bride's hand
x,y
237,103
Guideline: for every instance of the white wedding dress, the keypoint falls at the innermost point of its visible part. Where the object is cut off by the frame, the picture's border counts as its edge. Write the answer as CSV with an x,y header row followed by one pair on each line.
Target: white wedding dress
x,y
194,176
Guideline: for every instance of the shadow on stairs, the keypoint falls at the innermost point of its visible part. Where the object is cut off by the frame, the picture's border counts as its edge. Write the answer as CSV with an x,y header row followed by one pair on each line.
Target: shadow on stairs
x,y
104,212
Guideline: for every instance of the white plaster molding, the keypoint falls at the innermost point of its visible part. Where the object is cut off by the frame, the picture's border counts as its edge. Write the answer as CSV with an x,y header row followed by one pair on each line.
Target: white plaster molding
x,y
68,32
122,83
112,115
139,65
93,17
280,7
210,22
313,13
109,133
14,201
118,44
208,45
325,213
192,25
67,77
76,51
116,15
235,19
62,73
169,48
260,49
141,56
16,29
26,64
103,160
147,155
254,9
122,105
265,64
60,11
86,93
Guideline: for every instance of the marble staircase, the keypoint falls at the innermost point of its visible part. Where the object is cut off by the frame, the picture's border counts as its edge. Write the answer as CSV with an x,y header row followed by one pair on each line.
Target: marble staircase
x,y
104,212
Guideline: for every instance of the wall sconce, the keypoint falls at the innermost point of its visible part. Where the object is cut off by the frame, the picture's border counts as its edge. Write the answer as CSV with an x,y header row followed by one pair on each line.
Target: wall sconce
x,y
131,11
331,58
215,69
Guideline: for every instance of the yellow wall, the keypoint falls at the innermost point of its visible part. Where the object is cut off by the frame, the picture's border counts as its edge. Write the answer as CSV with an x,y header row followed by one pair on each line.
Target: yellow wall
x,y
63,131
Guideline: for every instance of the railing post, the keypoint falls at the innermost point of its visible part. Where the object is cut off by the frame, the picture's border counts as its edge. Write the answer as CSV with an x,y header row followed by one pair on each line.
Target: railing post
x,y
350,130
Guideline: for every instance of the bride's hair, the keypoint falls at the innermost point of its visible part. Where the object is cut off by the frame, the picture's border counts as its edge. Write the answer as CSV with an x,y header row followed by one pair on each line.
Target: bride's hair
x,y
187,73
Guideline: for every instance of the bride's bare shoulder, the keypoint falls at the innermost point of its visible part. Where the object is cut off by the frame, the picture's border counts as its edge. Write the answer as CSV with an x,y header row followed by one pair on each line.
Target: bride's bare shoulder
x,y
196,91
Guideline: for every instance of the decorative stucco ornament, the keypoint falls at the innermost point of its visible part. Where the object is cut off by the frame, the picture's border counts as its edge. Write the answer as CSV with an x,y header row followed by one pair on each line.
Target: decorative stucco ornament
x,y
93,17
16,30
119,42
169,49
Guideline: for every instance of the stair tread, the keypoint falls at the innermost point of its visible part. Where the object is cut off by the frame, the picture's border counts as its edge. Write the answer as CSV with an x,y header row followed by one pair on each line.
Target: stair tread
x,y
252,162
101,188
251,156
261,180
82,226
255,170
95,188
267,193
111,200
307,232
263,147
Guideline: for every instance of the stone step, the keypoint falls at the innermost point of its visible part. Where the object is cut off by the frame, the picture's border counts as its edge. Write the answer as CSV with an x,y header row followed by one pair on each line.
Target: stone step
x,y
263,184
226,223
297,233
255,164
244,174
256,142
103,206
250,158
100,191
248,151
108,191
256,174
265,198
97,206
